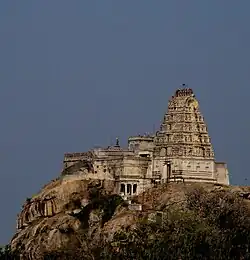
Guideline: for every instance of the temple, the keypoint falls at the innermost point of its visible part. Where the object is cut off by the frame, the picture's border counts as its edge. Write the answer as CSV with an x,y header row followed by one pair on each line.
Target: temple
x,y
180,151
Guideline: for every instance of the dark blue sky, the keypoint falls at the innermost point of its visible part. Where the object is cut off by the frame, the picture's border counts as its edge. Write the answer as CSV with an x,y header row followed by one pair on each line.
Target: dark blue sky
x,y
75,74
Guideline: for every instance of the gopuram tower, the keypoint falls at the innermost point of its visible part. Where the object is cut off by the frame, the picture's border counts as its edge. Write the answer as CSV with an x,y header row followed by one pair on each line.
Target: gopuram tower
x,y
183,149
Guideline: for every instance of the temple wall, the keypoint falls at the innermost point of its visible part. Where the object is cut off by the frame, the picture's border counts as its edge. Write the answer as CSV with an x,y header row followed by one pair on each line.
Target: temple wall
x,y
193,165
141,143
109,152
222,174
113,166
194,170
157,165
134,178
72,158
150,170
188,168
136,166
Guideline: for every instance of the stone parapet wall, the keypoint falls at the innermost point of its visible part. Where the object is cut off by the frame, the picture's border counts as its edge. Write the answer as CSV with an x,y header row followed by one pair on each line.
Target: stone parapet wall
x,y
78,156
222,174
140,143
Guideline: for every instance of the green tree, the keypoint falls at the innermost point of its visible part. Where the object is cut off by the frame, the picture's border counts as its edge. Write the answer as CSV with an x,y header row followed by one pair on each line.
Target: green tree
x,y
211,226
7,254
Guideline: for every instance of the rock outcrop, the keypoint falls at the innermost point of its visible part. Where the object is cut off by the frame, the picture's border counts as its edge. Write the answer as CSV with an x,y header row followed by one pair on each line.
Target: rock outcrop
x,y
67,208
51,219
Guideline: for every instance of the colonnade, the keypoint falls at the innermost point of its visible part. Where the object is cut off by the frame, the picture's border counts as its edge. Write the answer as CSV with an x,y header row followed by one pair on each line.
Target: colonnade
x,y
128,188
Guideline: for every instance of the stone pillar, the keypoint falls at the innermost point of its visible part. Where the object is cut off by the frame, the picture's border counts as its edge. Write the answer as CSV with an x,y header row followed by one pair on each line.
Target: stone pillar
x,y
168,170
149,171
165,172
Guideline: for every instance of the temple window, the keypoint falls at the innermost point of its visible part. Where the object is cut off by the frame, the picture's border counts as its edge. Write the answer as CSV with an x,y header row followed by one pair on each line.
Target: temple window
x,y
129,189
134,188
122,188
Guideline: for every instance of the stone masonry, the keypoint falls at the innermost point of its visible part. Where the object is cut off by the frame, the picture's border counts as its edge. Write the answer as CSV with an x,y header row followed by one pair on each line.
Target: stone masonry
x,y
180,150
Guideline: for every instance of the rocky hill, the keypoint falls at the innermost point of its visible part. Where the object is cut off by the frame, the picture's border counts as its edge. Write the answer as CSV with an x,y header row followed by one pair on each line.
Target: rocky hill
x,y
72,212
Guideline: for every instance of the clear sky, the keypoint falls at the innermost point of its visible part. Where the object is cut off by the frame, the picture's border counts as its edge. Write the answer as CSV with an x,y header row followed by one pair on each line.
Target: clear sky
x,y
75,74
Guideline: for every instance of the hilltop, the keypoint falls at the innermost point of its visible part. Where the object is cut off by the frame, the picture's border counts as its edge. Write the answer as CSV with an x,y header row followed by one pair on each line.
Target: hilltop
x,y
74,213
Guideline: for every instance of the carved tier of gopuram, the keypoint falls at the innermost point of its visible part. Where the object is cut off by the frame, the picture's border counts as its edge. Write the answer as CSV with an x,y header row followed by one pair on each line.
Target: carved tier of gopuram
x,y
180,151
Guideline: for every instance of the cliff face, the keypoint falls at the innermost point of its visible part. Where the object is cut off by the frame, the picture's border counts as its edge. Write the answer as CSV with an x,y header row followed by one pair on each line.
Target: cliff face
x,y
50,220
73,211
